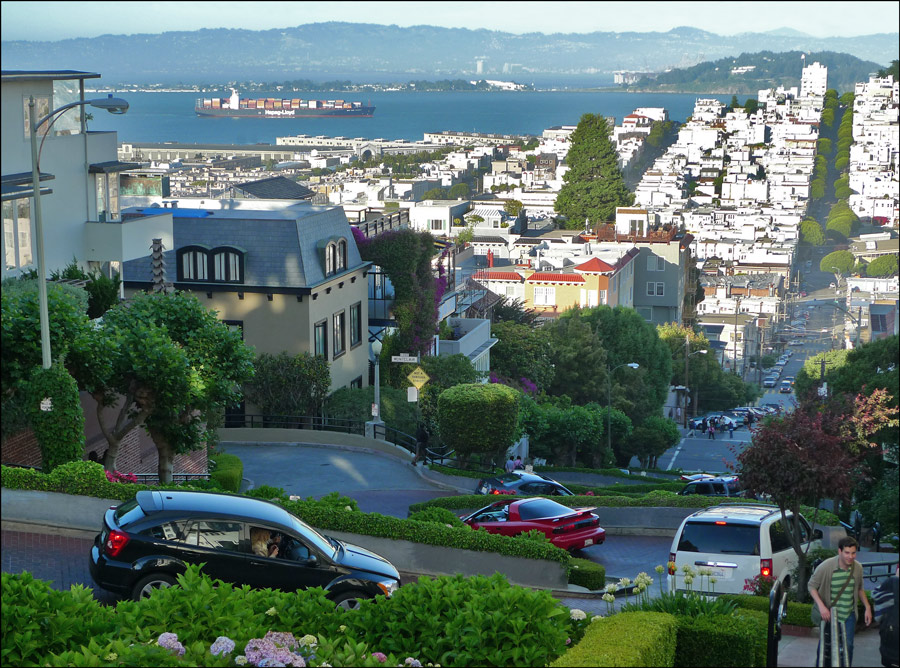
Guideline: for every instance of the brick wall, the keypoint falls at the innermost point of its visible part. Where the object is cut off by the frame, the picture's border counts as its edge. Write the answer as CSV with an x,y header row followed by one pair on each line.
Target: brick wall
x,y
137,452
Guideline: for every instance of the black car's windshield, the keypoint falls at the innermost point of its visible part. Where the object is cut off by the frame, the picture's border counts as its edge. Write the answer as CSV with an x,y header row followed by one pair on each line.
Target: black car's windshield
x,y
325,545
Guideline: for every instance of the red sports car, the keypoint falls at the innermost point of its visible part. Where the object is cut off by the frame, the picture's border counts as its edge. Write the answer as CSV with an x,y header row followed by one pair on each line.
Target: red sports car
x,y
567,528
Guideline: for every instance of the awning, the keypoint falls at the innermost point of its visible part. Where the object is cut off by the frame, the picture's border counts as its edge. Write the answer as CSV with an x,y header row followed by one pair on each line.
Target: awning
x,y
112,166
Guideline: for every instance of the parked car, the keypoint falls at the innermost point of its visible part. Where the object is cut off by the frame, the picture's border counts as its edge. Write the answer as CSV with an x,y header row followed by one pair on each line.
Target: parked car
x,y
696,476
773,408
567,528
770,381
788,379
722,421
796,343
522,484
146,542
718,486
737,542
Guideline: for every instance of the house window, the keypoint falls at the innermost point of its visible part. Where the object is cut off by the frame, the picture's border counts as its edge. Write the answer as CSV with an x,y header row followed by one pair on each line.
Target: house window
x,y
227,266
656,289
321,339
356,383
107,197
544,296
655,263
436,225
338,333
355,324
329,259
341,263
194,265
17,234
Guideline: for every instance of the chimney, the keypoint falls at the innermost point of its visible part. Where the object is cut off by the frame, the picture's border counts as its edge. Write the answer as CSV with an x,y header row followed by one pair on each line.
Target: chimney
x,y
158,268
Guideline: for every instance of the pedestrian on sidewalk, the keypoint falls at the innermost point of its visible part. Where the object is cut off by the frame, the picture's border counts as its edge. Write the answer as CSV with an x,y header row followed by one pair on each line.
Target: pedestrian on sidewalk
x,y
510,465
886,613
712,431
731,430
836,588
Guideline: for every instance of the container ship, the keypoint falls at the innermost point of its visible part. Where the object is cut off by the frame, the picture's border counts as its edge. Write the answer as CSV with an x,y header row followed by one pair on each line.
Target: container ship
x,y
270,107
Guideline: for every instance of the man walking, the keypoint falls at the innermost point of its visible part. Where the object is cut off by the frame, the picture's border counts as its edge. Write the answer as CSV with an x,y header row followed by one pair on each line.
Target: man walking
x,y
836,589
510,465
712,431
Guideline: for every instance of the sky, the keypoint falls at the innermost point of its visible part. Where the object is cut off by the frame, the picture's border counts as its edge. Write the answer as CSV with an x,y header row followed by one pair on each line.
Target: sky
x,y
51,21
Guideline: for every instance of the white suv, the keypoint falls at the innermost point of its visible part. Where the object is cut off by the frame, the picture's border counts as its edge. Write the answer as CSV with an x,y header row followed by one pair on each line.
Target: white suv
x,y
737,542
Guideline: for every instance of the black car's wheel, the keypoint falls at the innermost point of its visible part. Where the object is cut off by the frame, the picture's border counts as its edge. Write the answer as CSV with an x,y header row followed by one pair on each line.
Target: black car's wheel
x,y
349,600
146,585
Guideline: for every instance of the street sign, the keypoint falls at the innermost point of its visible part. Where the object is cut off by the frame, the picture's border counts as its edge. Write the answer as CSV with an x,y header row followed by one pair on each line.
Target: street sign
x,y
375,410
412,394
405,358
418,377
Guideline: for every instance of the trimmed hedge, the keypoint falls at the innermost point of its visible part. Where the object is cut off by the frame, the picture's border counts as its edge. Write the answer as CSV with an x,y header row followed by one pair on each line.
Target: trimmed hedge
x,y
586,573
626,639
760,621
618,473
797,614
228,472
715,640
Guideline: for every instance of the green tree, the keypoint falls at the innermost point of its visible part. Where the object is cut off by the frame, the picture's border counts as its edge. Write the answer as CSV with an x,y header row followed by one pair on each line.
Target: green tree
x,y
445,371
828,117
751,105
652,438
289,385
521,351
356,404
491,435
573,433
435,193
886,265
174,363
474,219
893,70
811,232
513,207
593,186
509,309
824,146
579,359
842,261
459,191
59,424
817,188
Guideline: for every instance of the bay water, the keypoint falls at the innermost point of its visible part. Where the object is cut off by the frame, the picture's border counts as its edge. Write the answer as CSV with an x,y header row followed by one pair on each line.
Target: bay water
x,y
170,117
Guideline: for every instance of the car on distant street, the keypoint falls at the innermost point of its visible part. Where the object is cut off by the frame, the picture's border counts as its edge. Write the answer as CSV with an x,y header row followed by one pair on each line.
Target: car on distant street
x,y
696,476
770,381
796,343
803,293
788,379
722,421
773,408
718,486
145,543
520,483
785,387
567,528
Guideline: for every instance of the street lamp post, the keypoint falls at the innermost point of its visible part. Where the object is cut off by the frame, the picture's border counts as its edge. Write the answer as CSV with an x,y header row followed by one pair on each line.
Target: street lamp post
x,y
376,347
113,105
687,384
609,373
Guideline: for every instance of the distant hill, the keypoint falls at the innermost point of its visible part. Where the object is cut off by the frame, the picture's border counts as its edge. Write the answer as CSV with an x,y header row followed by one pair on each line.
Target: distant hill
x,y
352,50
730,75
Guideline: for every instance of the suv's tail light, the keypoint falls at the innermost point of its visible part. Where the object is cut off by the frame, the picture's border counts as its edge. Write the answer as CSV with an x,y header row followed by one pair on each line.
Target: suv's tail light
x,y
672,569
115,542
765,568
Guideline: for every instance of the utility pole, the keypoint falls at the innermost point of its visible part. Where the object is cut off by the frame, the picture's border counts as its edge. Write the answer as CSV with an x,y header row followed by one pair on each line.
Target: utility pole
x,y
737,306
687,385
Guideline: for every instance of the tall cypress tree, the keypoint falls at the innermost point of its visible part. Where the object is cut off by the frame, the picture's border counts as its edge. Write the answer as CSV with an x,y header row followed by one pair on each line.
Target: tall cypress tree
x,y
593,185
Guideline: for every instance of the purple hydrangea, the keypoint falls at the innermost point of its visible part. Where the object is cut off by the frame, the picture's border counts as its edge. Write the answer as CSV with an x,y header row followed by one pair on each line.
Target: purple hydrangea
x,y
412,663
170,642
379,656
222,645
274,650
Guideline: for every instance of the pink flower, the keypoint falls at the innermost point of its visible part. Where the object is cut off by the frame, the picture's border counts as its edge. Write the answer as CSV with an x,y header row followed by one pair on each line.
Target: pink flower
x,y
378,656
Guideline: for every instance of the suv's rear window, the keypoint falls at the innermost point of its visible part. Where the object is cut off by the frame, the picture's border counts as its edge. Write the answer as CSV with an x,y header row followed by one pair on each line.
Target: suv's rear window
x,y
719,538
128,512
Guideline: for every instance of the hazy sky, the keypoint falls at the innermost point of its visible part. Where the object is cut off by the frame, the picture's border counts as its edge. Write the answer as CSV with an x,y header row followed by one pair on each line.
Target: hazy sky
x,y
61,20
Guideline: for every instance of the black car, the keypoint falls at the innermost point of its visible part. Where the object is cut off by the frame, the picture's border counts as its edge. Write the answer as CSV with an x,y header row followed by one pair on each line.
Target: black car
x,y
522,484
719,486
147,541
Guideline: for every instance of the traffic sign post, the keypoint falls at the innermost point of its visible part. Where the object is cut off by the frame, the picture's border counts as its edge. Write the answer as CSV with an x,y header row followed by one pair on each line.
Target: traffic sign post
x,y
405,358
418,377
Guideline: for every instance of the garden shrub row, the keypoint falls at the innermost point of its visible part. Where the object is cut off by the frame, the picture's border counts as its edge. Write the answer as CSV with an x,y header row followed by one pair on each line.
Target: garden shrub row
x,y
453,621
716,640
626,639
797,614
330,513
228,471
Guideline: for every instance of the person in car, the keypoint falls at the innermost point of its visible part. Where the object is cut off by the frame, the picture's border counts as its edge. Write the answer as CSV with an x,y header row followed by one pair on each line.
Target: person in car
x,y
262,542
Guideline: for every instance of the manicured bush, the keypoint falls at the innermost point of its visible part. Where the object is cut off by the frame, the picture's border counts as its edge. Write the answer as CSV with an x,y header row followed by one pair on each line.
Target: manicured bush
x,y
588,574
266,492
54,412
760,621
228,471
715,640
626,639
886,265
438,516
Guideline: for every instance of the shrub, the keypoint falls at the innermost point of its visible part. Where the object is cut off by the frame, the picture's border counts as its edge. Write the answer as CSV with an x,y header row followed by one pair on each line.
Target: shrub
x,y
438,516
760,585
626,639
266,492
588,574
476,621
797,614
59,425
759,619
228,471
684,605
886,265
715,640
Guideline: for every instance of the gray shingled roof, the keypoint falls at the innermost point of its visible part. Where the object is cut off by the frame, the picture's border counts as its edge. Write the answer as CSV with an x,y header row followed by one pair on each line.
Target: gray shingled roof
x,y
276,187
281,246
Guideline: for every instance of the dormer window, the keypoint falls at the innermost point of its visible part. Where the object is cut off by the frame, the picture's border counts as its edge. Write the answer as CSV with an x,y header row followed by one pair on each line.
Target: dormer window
x,y
333,253
228,265
341,260
193,263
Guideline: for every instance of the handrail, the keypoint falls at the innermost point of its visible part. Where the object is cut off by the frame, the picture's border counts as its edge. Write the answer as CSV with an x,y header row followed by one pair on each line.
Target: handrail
x,y
872,565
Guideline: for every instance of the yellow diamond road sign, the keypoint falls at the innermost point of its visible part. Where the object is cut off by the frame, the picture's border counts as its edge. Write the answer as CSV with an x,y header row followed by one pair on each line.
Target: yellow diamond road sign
x,y
418,377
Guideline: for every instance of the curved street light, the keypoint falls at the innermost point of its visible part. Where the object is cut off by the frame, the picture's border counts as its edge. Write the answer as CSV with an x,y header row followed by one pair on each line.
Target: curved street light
x,y
687,390
113,105
376,347
609,373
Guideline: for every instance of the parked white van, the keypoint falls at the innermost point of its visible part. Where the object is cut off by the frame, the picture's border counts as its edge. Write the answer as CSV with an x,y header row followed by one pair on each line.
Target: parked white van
x,y
736,542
